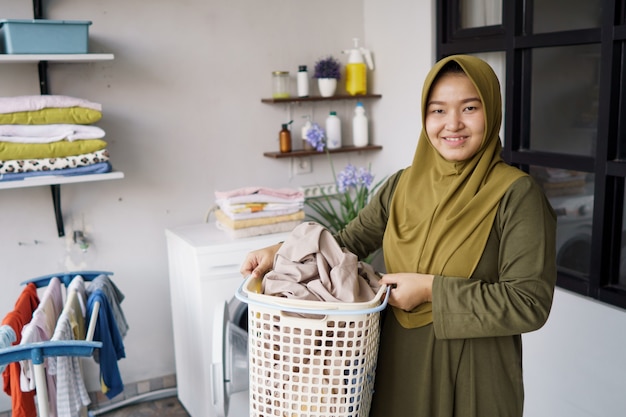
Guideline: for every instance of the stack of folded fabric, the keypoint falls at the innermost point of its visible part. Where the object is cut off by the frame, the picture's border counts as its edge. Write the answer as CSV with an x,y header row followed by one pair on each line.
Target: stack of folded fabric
x,y
50,135
558,182
254,211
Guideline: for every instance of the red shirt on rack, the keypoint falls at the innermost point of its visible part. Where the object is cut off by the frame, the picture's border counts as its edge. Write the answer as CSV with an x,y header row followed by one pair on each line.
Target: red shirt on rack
x,y
23,403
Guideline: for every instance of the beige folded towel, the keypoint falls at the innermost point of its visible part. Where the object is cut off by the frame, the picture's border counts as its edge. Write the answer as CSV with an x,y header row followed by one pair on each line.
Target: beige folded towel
x,y
259,221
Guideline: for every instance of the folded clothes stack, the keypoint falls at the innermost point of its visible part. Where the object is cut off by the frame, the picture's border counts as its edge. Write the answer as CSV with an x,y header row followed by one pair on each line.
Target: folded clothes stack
x,y
50,135
254,211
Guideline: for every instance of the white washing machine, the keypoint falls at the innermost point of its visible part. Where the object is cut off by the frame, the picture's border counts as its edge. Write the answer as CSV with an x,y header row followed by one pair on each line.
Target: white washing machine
x,y
204,274
573,238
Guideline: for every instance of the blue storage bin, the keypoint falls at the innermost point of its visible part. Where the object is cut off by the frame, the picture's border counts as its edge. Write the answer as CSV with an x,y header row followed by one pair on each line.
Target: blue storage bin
x,y
40,36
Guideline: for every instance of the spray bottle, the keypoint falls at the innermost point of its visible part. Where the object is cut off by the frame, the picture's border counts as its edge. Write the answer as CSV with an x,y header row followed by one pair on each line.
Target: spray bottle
x,y
356,70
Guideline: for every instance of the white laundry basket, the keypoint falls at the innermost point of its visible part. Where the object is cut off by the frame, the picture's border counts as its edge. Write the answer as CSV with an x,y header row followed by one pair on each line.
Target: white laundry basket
x,y
311,358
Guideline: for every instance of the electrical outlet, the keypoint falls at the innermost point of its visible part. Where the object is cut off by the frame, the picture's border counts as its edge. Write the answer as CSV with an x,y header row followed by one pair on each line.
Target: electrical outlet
x,y
303,165
319,190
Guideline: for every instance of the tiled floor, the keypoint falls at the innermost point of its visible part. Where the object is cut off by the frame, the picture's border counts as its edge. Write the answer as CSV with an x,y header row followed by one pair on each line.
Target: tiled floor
x,y
167,407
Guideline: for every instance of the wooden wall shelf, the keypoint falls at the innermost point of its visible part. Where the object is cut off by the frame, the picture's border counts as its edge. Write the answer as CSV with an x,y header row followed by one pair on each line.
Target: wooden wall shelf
x,y
320,98
300,153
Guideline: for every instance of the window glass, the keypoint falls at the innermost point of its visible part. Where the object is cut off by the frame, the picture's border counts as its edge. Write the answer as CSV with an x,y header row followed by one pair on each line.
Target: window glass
x,y
621,138
564,99
622,258
478,13
571,196
497,60
560,15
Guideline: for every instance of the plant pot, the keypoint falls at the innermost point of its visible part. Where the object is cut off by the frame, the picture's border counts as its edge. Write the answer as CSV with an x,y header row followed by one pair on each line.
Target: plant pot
x,y
327,86
306,146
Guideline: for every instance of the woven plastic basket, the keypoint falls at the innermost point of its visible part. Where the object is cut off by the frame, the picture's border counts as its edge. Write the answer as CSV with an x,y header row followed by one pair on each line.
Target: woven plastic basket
x,y
310,358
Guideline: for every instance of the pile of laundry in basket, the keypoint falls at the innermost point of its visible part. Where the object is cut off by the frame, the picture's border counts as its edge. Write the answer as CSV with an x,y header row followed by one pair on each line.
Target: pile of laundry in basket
x,y
254,211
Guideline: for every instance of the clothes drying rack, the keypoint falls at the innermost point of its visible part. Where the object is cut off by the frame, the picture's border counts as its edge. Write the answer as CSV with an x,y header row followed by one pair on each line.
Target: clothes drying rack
x,y
38,351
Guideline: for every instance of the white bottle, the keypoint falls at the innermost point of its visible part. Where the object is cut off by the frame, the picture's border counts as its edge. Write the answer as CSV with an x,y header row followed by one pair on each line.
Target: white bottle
x,y
303,81
359,126
305,128
333,131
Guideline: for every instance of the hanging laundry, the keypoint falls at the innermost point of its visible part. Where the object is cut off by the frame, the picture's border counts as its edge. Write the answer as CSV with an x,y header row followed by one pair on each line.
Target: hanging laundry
x,y
41,329
78,284
7,338
112,348
114,296
71,395
22,403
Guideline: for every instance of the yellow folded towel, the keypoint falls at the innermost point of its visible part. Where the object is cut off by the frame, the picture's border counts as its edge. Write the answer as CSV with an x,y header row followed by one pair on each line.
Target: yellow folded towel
x,y
261,221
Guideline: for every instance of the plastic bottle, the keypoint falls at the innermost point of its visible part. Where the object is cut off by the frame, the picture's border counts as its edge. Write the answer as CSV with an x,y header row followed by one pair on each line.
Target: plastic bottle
x,y
359,126
333,131
284,138
303,81
305,128
356,70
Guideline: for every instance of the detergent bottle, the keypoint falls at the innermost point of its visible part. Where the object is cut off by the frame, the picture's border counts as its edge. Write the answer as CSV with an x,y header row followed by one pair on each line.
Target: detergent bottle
x,y
359,126
333,131
356,70
305,129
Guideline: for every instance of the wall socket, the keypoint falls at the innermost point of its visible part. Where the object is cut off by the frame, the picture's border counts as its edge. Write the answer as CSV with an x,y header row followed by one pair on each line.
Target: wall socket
x,y
319,190
302,165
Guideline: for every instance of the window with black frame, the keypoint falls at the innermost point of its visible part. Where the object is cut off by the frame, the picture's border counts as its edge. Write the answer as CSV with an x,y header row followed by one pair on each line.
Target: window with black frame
x,y
561,64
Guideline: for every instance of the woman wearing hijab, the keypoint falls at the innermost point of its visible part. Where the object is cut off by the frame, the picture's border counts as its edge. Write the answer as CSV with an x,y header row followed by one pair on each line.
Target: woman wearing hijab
x,y
469,249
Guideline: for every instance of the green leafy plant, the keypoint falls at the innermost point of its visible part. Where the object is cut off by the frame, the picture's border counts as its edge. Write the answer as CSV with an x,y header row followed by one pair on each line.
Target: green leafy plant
x,y
354,190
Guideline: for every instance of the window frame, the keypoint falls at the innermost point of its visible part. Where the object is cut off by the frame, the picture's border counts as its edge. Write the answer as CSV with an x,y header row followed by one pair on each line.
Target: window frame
x,y
515,38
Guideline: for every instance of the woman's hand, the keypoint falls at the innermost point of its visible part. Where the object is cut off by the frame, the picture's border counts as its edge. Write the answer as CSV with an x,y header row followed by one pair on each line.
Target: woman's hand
x,y
409,289
259,262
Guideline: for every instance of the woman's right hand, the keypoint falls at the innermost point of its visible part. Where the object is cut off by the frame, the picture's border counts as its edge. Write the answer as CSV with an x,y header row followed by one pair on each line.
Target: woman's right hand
x,y
259,262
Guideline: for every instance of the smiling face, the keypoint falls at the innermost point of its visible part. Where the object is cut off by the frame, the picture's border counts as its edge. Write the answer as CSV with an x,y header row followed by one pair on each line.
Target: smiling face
x,y
455,117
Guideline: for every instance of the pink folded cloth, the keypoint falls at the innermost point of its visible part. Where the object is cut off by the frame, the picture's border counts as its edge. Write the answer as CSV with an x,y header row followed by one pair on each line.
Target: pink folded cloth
x,y
247,192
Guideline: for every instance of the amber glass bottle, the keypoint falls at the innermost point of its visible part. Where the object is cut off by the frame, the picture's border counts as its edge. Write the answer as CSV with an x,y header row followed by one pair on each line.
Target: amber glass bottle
x,y
284,138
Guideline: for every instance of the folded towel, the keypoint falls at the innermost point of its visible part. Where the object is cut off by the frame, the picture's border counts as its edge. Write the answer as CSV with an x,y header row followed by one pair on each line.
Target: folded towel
x,y
48,133
50,164
258,230
260,195
262,214
30,103
99,168
258,221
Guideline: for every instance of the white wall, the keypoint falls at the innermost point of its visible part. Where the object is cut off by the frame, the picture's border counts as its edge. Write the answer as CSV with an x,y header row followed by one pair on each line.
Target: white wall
x,y
574,366
183,118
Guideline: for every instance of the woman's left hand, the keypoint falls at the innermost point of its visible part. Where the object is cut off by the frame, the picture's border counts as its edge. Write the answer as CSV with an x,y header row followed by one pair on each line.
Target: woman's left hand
x,y
409,289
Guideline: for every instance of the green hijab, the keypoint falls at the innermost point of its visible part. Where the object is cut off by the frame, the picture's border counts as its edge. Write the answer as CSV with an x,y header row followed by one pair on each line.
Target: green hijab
x,y
442,212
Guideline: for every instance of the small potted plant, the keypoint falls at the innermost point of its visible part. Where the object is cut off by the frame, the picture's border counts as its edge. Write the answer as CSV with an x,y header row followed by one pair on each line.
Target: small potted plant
x,y
327,72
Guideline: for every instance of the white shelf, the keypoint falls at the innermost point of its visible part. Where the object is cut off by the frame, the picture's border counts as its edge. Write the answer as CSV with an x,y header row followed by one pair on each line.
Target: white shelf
x,y
59,179
30,58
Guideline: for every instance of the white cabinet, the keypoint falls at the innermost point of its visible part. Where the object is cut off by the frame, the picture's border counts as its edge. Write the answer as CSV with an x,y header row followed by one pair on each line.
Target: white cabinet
x,y
204,265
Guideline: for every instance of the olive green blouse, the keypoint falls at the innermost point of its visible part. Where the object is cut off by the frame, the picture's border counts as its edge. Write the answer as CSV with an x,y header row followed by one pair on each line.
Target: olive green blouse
x,y
468,361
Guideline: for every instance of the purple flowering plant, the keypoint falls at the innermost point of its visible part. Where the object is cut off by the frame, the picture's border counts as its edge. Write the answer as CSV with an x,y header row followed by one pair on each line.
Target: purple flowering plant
x,y
328,67
354,190
315,136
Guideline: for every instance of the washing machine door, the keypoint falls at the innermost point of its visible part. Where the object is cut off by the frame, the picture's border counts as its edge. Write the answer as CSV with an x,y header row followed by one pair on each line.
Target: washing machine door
x,y
229,365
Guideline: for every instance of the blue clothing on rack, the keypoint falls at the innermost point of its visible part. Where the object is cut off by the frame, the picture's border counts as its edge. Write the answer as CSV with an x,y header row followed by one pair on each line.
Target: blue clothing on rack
x,y
115,297
7,338
112,350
